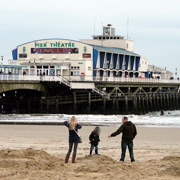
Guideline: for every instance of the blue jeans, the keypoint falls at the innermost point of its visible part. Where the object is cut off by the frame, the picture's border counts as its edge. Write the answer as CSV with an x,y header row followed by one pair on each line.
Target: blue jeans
x,y
91,149
71,146
124,145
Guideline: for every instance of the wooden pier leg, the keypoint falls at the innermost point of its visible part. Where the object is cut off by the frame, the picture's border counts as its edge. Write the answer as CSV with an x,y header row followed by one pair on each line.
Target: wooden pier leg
x,y
47,106
158,102
154,103
165,102
147,103
177,104
104,105
17,106
113,101
117,105
75,103
139,105
150,103
126,104
135,104
161,102
57,106
89,102
168,103
143,105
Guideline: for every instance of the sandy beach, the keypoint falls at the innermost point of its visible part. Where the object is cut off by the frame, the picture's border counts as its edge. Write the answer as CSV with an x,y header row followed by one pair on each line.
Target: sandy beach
x,y
37,152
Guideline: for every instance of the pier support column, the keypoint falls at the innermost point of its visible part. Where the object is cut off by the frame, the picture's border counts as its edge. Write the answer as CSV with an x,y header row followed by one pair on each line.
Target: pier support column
x,y
57,105
17,106
47,106
135,104
75,102
177,104
89,102
147,103
150,103
104,105
126,104
113,101
167,100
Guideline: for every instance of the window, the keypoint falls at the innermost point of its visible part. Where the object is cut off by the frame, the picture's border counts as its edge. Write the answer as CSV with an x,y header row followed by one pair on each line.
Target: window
x,y
45,67
39,67
71,73
51,66
31,66
89,68
22,55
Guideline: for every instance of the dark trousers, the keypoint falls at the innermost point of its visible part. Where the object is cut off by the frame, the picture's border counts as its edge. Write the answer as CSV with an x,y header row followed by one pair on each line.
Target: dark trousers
x,y
91,149
71,144
124,145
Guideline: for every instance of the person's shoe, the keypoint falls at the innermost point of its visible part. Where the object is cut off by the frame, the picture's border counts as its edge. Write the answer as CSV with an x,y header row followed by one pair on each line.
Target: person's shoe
x,y
73,158
67,158
132,160
121,160
98,154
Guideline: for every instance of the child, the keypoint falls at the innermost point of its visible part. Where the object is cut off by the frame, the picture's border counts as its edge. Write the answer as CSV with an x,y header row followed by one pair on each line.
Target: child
x,y
94,140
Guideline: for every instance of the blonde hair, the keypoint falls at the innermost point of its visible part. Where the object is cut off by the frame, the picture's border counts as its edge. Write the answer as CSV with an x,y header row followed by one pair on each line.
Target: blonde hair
x,y
73,123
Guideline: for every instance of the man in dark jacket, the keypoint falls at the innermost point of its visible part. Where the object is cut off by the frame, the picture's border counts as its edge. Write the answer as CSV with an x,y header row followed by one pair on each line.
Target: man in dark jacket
x,y
128,130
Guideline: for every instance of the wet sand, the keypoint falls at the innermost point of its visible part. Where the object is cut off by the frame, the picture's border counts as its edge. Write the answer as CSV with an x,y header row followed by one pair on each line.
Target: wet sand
x,y
37,152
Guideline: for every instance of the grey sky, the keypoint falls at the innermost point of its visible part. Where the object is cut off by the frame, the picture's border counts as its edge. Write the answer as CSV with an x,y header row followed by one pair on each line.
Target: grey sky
x,y
154,24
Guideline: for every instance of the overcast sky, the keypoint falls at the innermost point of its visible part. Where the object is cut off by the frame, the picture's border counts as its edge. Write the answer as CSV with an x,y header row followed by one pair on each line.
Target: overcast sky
x,y
154,24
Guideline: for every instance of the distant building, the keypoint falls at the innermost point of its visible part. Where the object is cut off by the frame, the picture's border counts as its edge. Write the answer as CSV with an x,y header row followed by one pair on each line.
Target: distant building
x,y
158,72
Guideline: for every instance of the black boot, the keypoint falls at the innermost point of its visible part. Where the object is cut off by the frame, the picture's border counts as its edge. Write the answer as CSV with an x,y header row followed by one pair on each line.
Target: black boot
x,y
67,158
73,158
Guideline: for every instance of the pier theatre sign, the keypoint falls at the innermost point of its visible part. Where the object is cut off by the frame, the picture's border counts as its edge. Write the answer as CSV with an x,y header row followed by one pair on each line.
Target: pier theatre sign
x,y
54,48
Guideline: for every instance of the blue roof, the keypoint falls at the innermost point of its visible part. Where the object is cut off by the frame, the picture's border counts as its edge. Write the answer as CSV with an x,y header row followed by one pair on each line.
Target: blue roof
x,y
115,50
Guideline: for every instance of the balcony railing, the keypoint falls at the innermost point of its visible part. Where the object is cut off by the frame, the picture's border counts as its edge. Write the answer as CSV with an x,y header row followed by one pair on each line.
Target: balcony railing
x,y
67,79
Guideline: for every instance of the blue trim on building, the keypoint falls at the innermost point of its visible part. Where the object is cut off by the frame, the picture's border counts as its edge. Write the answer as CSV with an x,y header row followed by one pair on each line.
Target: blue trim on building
x,y
115,56
94,73
95,58
132,62
102,55
131,74
109,73
109,59
126,62
14,54
120,74
101,73
121,57
137,63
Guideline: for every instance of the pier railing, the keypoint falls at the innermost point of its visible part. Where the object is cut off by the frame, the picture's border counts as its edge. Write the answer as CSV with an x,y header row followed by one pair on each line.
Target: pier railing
x,y
67,79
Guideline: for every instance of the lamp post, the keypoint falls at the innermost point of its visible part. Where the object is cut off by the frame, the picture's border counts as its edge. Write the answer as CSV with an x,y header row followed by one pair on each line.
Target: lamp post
x,y
2,64
176,73
35,67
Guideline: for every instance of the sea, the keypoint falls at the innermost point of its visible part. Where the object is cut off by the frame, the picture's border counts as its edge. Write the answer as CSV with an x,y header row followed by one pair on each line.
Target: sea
x,y
153,119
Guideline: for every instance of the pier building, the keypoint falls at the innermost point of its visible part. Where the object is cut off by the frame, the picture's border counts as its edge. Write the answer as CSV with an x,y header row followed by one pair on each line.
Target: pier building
x,y
106,56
